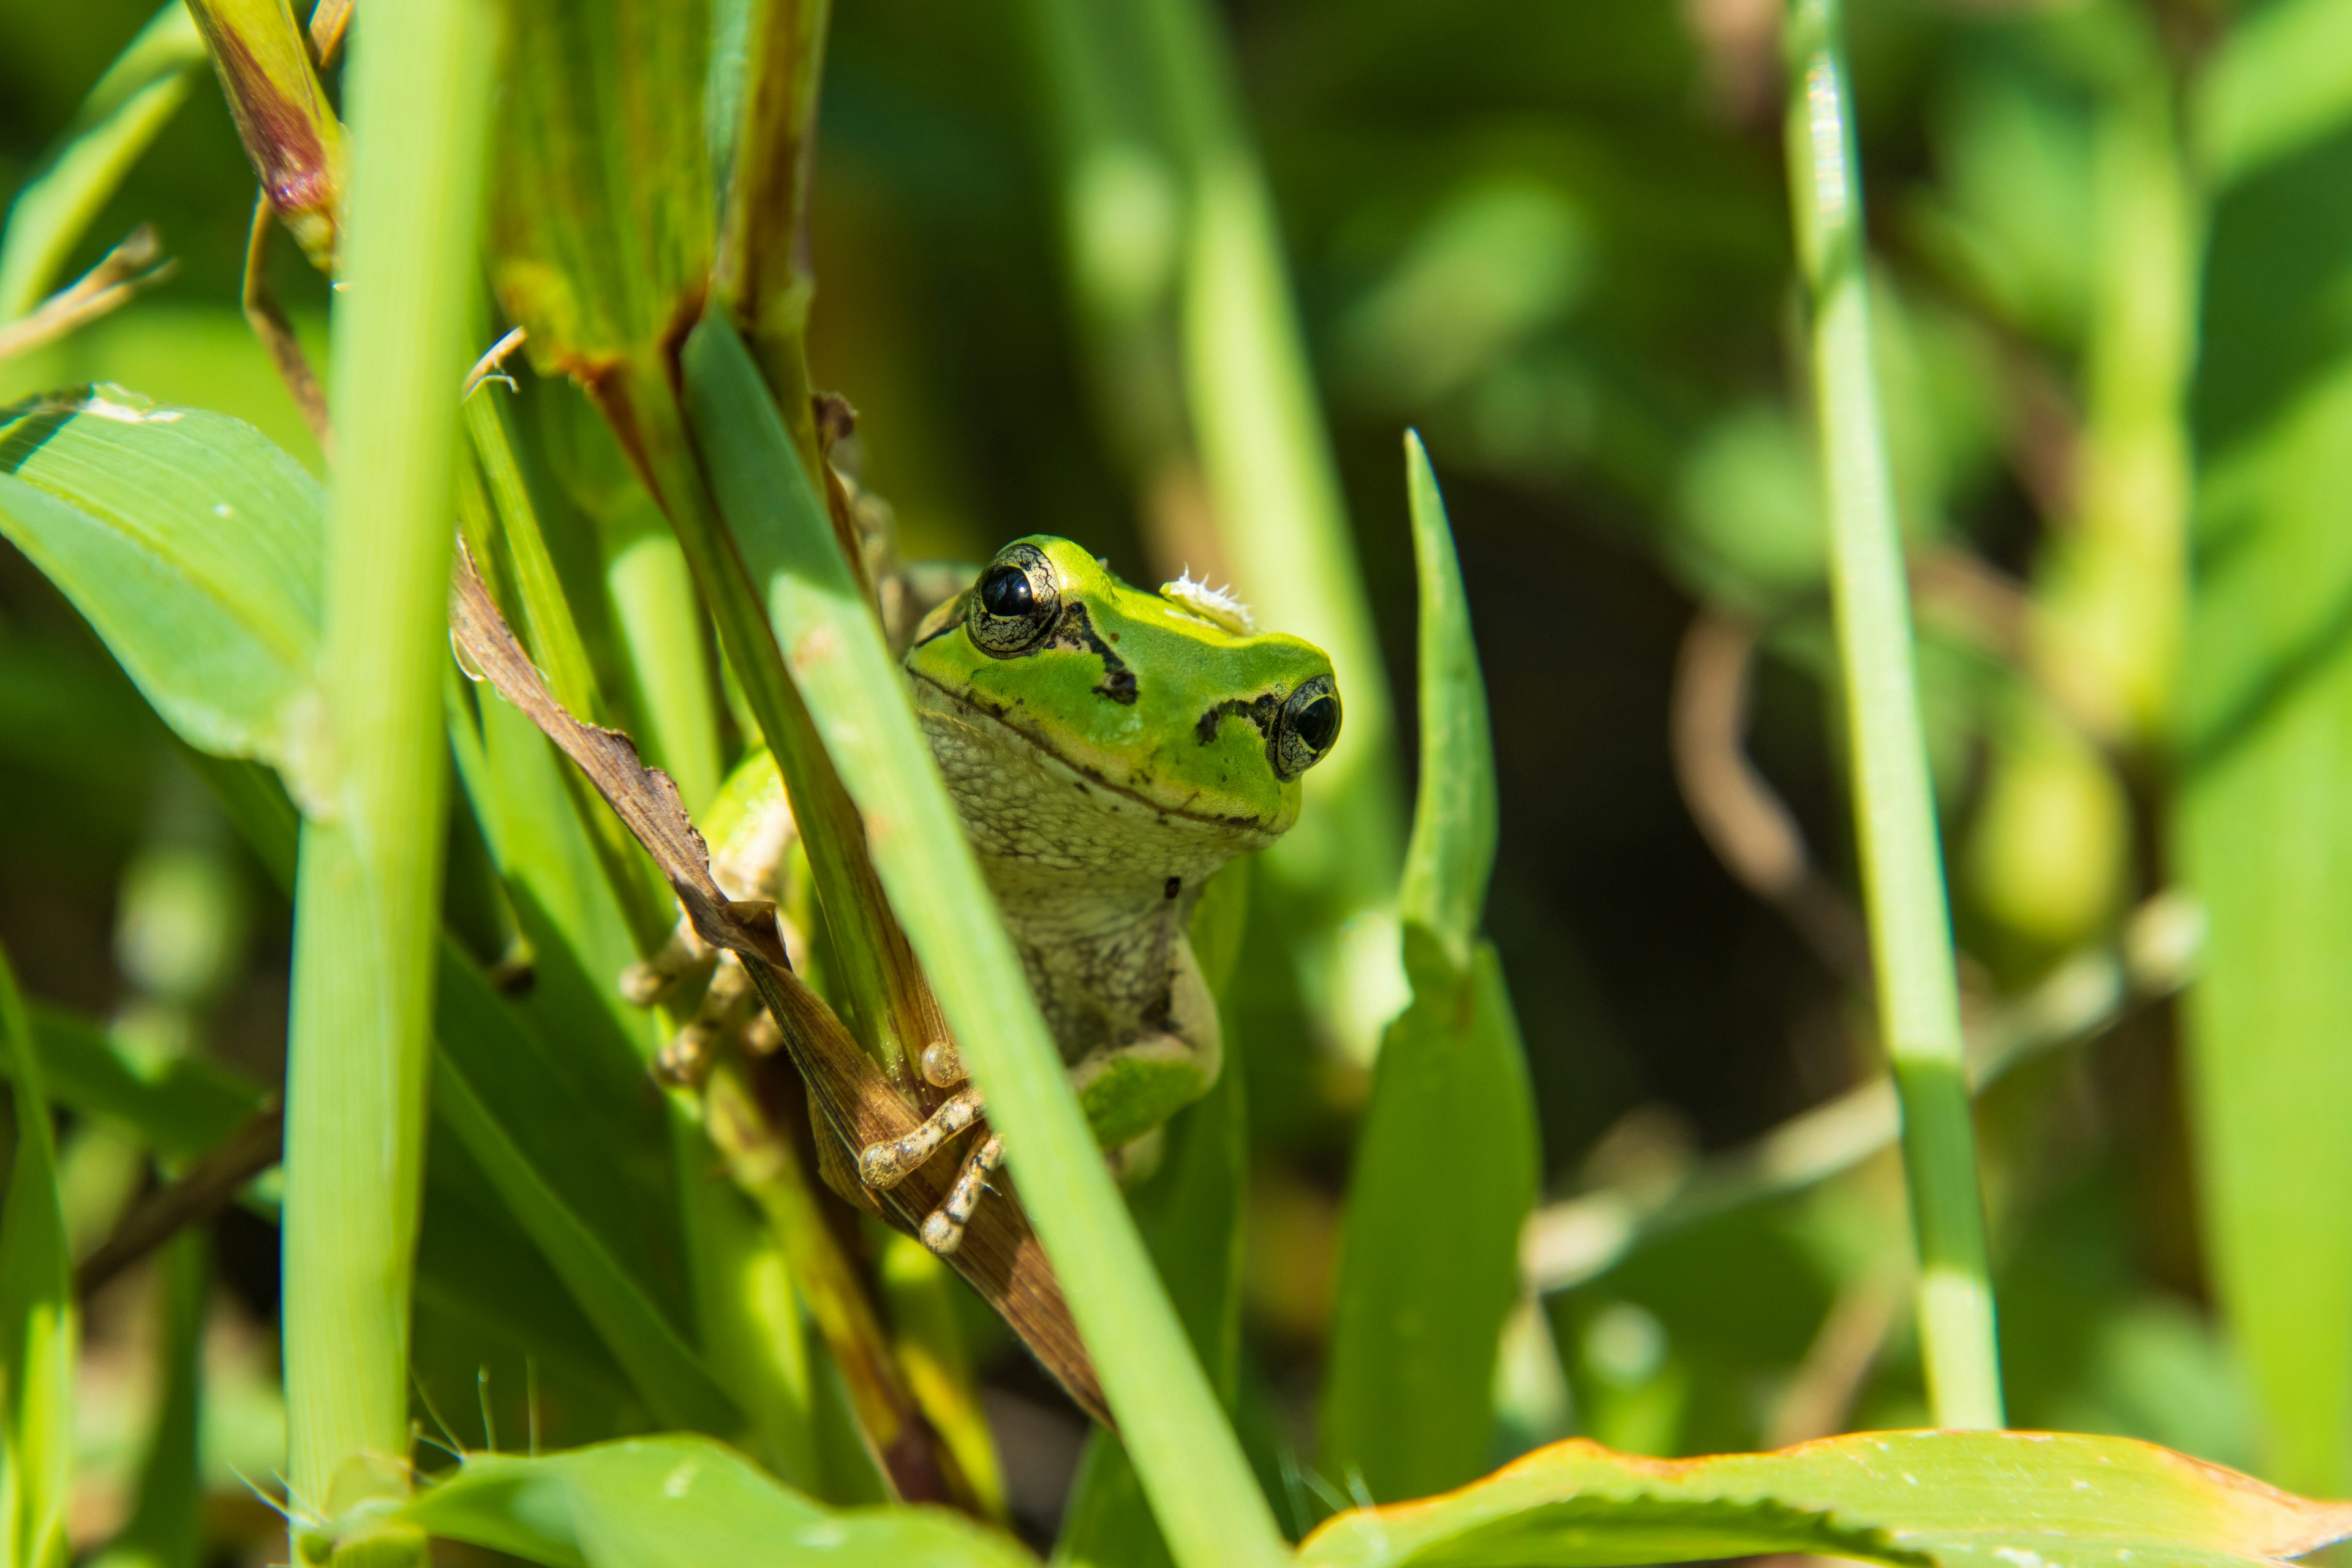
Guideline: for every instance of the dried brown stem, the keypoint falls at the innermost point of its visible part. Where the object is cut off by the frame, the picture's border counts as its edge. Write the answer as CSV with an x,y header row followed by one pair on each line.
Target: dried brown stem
x,y
269,323
1746,823
123,271
193,1197
856,1105
330,20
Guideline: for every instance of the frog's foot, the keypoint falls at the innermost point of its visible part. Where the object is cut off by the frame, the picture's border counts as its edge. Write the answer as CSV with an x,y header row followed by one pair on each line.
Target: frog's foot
x,y
646,981
943,1227
888,1164
727,1005
944,1065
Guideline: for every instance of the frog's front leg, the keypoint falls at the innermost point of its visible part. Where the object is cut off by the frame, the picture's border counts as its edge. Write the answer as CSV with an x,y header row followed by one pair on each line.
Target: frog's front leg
x,y
1126,1091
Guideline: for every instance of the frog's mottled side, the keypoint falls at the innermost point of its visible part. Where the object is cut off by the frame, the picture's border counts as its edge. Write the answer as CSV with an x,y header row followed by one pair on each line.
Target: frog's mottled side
x,y
1135,690
1109,750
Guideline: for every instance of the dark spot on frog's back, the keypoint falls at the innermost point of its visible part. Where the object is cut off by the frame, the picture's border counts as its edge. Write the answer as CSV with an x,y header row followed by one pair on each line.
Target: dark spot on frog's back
x,y
1076,632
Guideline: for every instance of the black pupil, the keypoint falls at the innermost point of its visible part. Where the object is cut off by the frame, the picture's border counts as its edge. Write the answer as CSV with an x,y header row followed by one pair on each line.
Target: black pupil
x,y
1317,722
1006,591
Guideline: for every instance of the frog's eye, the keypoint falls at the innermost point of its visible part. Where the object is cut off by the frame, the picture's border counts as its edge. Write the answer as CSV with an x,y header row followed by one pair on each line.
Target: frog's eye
x,y
1016,603
1308,724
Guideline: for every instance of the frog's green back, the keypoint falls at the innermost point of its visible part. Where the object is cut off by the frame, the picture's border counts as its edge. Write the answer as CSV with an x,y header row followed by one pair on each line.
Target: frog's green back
x,y
1139,691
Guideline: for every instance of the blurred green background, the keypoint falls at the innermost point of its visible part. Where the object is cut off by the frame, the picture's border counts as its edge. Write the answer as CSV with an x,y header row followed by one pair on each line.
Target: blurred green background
x,y
2110,243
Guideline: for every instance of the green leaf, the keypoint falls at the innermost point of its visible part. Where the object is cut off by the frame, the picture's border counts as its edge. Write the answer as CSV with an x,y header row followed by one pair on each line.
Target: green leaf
x,y
165,1528
1921,1500
1446,1165
193,547
682,1502
2281,81
290,132
601,233
1191,1212
668,1375
1452,852
37,1315
124,113
1445,1174
2265,812
179,1109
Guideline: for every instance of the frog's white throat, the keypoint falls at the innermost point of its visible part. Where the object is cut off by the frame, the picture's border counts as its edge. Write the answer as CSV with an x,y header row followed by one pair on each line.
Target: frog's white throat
x,y
1025,807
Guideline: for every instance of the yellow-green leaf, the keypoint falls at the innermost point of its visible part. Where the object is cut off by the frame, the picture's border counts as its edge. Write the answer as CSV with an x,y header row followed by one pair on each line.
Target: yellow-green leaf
x,y
1920,1499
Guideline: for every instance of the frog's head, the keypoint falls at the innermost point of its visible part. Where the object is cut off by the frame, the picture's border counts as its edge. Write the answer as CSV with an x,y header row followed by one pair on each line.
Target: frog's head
x,y
1166,697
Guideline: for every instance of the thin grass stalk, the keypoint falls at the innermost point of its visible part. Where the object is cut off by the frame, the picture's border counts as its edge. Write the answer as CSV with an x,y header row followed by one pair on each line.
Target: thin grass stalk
x,y
1201,1491
1902,863
367,892
1266,452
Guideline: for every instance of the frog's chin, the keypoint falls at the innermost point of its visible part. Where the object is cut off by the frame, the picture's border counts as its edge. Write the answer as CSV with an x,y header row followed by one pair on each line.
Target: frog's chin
x,y
998,770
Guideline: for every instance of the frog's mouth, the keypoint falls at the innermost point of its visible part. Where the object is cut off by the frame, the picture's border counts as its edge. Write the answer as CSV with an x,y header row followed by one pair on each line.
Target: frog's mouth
x,y
996,720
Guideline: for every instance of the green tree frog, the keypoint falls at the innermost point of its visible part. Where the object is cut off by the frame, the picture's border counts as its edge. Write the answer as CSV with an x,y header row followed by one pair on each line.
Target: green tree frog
x,y
1108,749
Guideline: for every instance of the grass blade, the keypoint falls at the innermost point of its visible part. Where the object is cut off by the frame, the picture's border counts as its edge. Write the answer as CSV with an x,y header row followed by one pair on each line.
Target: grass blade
x,y
192,545
1446,1164
2264,820
179,1111
1924,1499
166,1527
1206,1500
668,1376
1903,870
360,1032
682,1502
123,115
38,1317
1282,519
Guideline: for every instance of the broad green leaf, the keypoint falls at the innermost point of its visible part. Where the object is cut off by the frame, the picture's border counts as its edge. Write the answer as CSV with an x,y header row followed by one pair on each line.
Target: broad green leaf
x,y
1921,1500
37,1315
140,92
2264,819
682,1502
1447,1165
179,1109
192,545
2280,81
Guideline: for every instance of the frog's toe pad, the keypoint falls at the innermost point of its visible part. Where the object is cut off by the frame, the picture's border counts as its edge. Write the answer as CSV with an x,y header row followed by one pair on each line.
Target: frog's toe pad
x,y
943,1235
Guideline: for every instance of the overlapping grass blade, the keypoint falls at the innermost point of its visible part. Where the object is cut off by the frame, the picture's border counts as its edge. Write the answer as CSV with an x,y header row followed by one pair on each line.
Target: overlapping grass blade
x,y
1901,862
1446,1164
178,1112
37,1315
165,1526
1207,1503
366,898
117,123
2265,815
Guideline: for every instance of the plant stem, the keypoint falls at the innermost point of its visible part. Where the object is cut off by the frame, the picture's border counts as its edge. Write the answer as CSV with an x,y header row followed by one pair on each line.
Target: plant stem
x,y
1902,863
1194,1472
366,898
